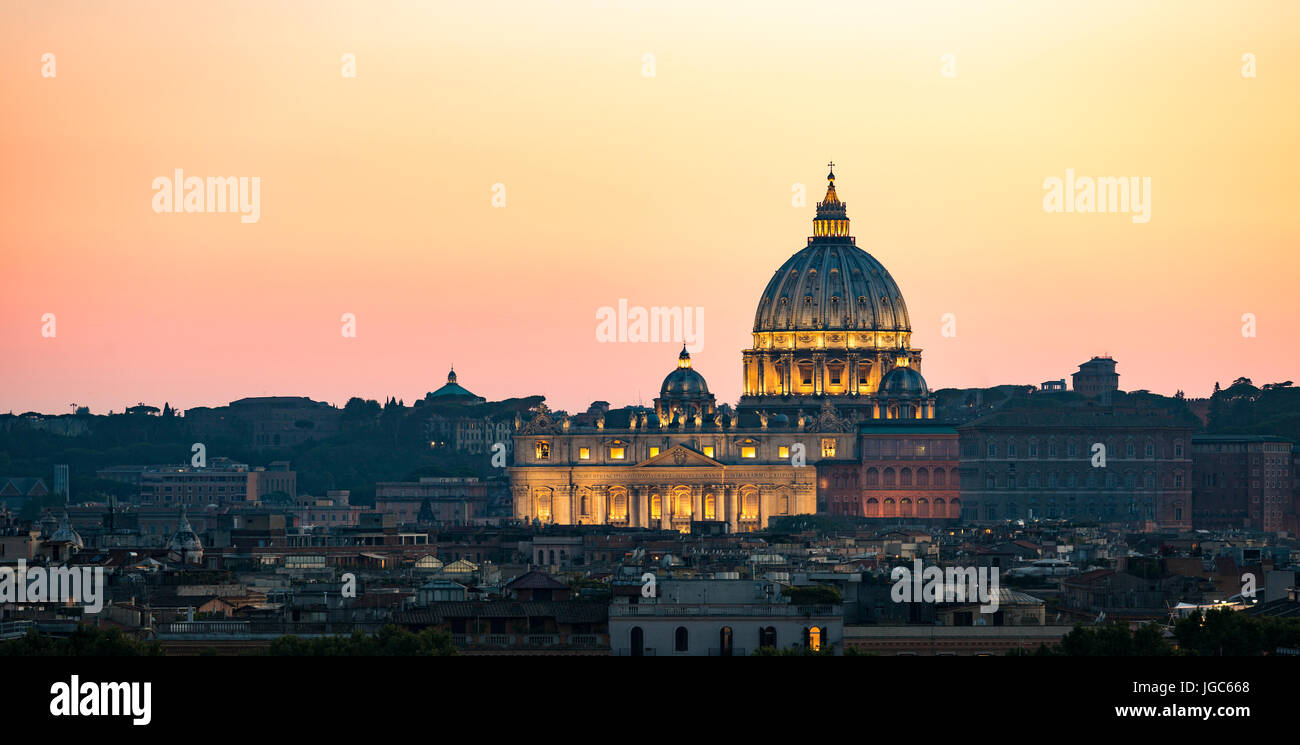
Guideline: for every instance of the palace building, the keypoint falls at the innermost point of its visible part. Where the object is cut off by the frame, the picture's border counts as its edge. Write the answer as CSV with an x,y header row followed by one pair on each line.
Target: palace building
x,y
831,359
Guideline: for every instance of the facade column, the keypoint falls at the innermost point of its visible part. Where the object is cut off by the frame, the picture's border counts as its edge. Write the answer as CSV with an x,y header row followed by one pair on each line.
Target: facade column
x,y
853,375
729,498
665,511
642,507
819,373
762,363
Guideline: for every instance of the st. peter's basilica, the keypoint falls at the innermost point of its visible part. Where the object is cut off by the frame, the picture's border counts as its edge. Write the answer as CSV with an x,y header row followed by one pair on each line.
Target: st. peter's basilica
x,y
831,370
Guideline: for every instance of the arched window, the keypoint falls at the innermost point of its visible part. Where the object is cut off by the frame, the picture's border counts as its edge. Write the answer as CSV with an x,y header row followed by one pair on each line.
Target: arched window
x,y
767,636
749,503
618,503
812,638
636,640
681,640
724,641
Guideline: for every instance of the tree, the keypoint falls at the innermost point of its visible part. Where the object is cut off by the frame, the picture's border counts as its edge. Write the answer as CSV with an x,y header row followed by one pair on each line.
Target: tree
x,y
390,641
85,641
815,595
426,511
1114,639
1225,632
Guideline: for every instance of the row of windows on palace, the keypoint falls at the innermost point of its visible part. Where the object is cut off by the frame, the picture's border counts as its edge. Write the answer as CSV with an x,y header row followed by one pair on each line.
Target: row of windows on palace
x,y
1108,480
618,450
970,449
922,477
1132,510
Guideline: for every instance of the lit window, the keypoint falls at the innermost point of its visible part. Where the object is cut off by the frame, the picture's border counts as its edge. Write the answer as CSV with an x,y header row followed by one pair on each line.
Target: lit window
x,y
653,451
616,452
708,450
828,447
783,452
748,451
543,450
584,453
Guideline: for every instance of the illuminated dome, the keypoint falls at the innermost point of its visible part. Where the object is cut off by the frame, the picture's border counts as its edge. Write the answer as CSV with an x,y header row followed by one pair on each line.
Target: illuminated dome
x,y
683,381
831,284
830,327
684,393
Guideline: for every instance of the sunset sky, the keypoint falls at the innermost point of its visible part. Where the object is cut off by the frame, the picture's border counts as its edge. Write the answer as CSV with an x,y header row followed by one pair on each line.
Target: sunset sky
x,y
672,190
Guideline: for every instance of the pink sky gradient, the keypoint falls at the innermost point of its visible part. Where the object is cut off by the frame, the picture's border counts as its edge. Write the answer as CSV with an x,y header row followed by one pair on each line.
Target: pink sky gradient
x,y
667,191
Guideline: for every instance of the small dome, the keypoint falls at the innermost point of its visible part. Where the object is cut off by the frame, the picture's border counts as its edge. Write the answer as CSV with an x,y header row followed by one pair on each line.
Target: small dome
x,y
903,382
185,544
683,381
66,534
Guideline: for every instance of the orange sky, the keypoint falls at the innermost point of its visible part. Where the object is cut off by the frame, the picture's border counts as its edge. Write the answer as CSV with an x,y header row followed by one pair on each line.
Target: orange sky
x,y
673,190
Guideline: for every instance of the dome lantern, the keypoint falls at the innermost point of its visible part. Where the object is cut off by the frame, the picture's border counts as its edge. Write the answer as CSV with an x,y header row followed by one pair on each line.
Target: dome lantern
x,y
832,220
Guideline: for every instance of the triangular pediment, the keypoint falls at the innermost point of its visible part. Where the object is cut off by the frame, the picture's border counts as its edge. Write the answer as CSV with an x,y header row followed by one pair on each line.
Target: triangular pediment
x,y
679,456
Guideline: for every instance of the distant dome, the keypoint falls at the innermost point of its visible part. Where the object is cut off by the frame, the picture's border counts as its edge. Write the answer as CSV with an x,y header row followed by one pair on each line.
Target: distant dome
x,y
903,382
185,545
66,534
454,392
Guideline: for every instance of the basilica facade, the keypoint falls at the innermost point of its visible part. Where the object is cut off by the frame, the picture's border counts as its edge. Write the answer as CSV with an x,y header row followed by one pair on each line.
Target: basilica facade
x,y
831,354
